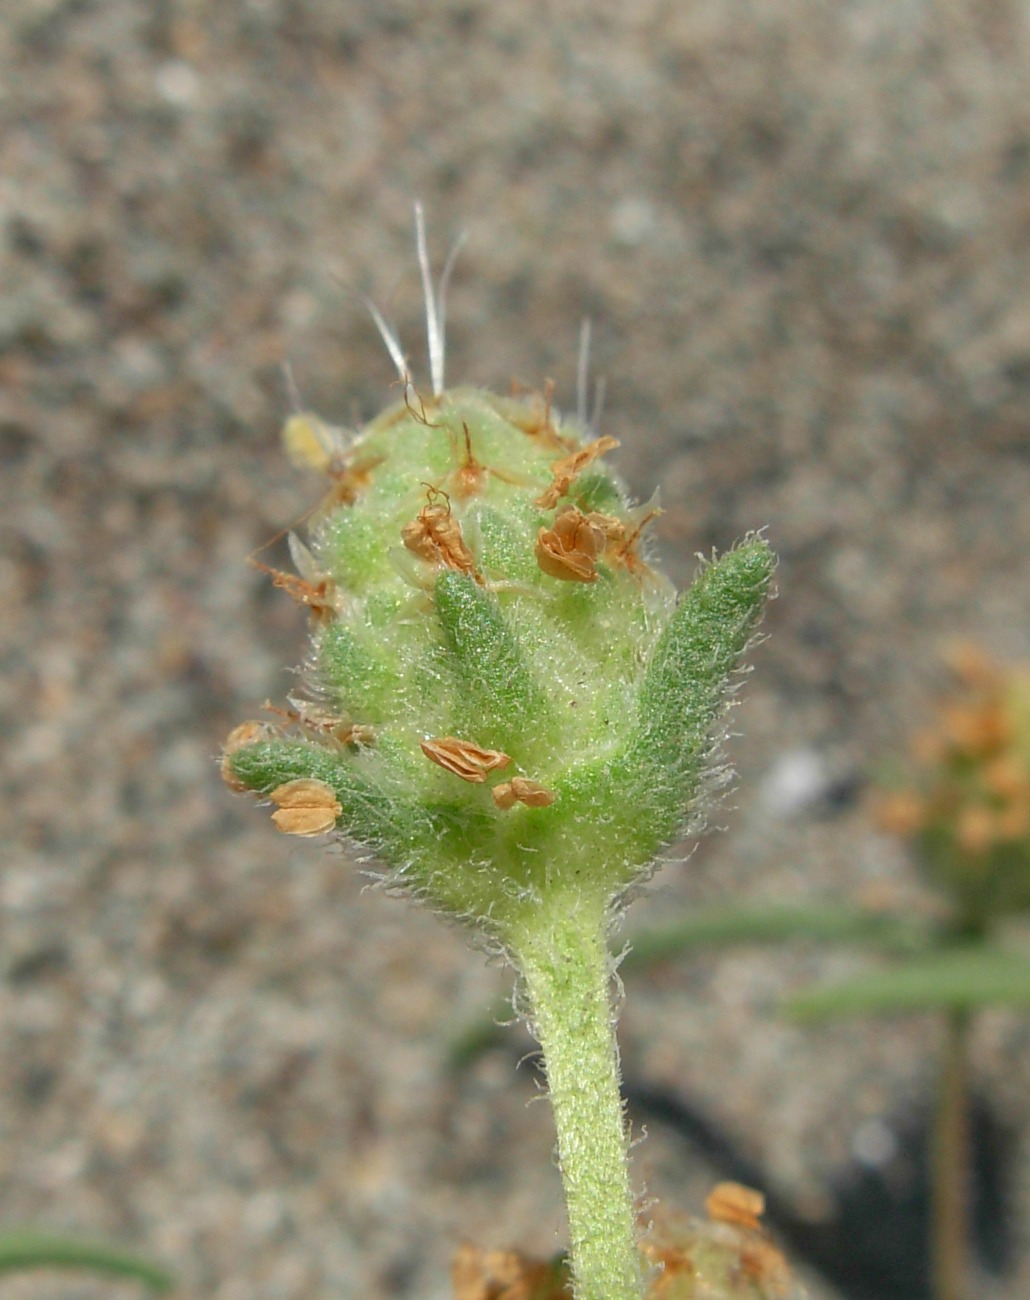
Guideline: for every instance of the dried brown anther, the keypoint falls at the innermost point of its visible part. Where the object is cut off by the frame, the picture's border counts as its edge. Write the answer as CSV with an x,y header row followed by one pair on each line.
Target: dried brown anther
x,y
622,540
735,1203
568,469
305,807
463,758
569,549
333,728
319,592
435,535
520,790
741,1208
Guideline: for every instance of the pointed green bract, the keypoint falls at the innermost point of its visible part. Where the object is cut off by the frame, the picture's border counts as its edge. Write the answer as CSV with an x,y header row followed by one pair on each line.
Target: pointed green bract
x,y
352,664
495,691
373,812
684,688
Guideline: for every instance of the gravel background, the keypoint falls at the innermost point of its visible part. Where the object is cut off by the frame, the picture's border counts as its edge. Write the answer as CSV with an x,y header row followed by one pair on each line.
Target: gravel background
x,y
802,232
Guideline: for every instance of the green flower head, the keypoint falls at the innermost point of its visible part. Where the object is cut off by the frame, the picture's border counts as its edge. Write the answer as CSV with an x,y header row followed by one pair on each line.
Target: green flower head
x,y
504,701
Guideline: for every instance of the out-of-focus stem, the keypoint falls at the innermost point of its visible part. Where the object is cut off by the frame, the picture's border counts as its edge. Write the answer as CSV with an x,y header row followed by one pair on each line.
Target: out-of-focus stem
x,y
949,1225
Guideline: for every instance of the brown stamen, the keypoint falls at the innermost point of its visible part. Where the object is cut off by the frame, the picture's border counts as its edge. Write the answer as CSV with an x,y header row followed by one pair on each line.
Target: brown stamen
x,y
305,807
435,535
569,549
321,597
463,758
568,469
521,790
737,1204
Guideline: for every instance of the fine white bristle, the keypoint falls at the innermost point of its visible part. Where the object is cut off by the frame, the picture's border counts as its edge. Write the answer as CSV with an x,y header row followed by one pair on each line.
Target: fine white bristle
x,y
583,371
600,388
390,339
441,297
436,312
292,391
434,336
303,559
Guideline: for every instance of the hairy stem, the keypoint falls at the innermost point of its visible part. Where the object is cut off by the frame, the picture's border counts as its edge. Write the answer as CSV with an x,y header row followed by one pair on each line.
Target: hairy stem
x,y
566,966
950,1210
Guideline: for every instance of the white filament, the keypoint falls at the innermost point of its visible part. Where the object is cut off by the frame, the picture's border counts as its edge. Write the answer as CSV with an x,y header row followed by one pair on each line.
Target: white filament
x,y
292,391
436,311
583,371
390,339
441,298
434,333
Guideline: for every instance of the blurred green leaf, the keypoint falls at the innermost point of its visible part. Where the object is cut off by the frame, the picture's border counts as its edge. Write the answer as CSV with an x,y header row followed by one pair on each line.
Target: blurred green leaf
x,y
476,1038
26,1249
828,923
961,978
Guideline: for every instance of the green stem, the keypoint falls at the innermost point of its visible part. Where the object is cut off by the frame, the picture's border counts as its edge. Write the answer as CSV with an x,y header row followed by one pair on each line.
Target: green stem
x,y
949,1203
564,960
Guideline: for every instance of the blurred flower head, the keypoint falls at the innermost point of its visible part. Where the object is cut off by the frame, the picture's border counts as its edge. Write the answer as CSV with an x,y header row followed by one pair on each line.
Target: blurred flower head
x,y
963,799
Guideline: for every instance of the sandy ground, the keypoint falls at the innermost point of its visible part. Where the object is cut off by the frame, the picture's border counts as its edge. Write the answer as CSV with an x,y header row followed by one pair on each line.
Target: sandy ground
x,y
802,232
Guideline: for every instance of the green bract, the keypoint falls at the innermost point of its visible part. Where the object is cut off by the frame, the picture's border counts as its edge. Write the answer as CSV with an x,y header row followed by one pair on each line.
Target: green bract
x,y
505,701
